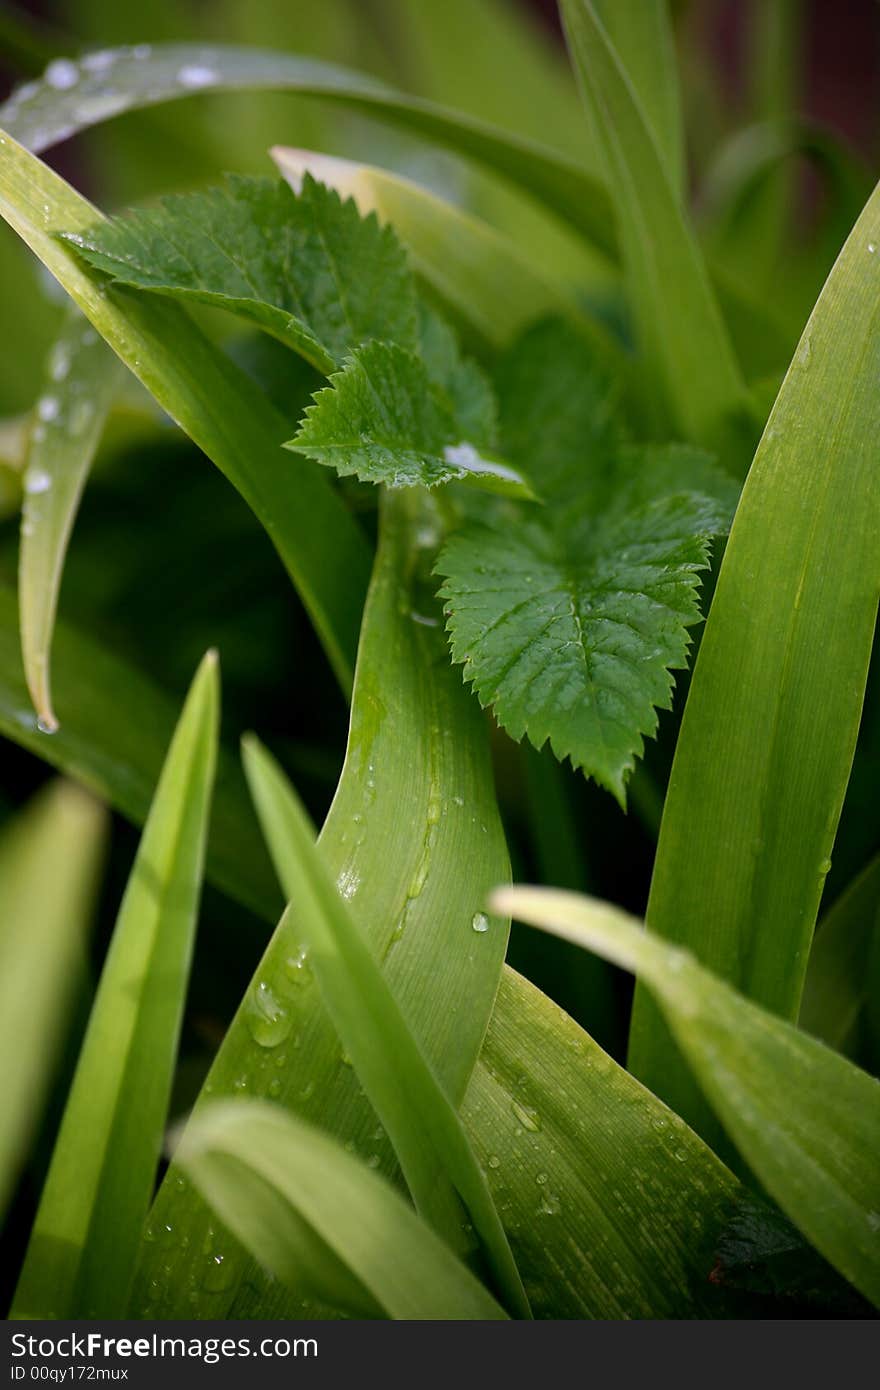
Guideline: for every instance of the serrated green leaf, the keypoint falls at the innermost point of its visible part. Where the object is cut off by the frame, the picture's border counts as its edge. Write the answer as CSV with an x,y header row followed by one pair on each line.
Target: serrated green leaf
x,y
569,621
385,421
805,1120
224,412
477,274
306,267
306,1208
81,1254
447,1185
777,692
50,854
82,379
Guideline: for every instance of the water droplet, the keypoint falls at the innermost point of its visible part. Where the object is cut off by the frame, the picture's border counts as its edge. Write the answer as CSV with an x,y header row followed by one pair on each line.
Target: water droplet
x,y
874,1220
527,1116
480,922
37,480
540,1179
805,352
48,408
99,61
872,247
494,1161
218,1275
825,867
681,1155
47,725
268,1021
550,1205
195,75
274,1088
658,1122
373,1161
422,619
59,361
240,1083
297,968
62,74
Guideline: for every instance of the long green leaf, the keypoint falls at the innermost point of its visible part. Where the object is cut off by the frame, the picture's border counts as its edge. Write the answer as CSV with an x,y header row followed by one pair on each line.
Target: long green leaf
x,y
221,409
419,1118
777,691
81,1254
416,741
268,1174
97,87
82,379
837,983
641,35
806,1120
49,860
115,727
679,325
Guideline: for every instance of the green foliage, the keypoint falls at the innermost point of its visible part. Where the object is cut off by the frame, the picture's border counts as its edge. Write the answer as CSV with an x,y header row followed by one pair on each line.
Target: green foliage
x,y
543,428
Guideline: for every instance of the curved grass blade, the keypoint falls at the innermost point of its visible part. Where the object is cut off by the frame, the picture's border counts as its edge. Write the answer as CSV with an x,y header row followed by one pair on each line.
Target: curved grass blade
x,y
838,980
268,1174
115,729
475,272
684,340
416,742
777,691
81,1254
83,377
805,1120
99,86
50,856
222,410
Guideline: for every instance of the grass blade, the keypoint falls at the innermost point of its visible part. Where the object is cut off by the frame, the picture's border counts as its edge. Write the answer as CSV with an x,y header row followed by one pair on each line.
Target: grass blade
x,y
837,984
225,414
133,78
682,335
777,691
416,797
268,1174
83,377
115,728
805,1120
82,1249
549,1115
641,34
420,1120
50,856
